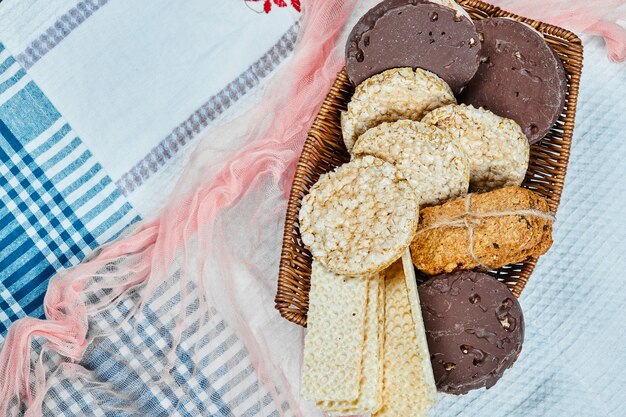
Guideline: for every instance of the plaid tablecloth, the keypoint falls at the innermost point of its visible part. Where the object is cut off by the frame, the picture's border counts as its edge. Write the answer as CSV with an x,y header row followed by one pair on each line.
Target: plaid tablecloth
x,y
100,103
137,96
58,203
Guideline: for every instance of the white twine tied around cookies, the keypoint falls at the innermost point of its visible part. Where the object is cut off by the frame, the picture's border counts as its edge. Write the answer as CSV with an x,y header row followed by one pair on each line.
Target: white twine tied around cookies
x,y
469,219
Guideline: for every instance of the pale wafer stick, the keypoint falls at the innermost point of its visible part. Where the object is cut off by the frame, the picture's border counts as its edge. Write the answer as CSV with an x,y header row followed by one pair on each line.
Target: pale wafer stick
x,y
333,346
381,332
418,320
369,399
408,389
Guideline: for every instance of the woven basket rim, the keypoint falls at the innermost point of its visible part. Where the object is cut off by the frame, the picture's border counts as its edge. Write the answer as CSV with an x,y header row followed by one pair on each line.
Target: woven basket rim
x,y
293,286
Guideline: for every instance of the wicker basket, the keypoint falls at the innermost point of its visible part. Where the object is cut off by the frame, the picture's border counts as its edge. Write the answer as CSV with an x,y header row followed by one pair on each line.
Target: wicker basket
x,y
324,150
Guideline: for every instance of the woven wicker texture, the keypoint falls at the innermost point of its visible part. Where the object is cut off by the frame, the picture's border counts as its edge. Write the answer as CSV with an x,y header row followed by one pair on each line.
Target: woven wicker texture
x,y
324,150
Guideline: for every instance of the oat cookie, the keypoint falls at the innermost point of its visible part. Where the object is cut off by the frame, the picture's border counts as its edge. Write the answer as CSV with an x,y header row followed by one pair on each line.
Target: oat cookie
x,y
360,218
435,165
504,231
395,94
497,149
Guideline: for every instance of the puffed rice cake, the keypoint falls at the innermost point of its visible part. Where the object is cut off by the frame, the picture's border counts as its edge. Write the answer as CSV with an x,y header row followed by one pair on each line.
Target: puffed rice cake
x,y
435,165
497,149
358,219
395,94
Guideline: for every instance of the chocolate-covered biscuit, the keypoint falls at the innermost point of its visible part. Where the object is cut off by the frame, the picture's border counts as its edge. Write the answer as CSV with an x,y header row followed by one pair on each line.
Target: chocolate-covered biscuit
x,y
520,77
413,33
474,327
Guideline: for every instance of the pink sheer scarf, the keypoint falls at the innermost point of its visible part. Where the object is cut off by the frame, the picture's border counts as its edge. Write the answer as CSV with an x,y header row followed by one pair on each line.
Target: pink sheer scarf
x,y
597,18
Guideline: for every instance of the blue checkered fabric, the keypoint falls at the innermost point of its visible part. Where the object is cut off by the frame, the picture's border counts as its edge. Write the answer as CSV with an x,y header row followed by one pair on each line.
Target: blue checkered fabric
x,y
57,203
128,372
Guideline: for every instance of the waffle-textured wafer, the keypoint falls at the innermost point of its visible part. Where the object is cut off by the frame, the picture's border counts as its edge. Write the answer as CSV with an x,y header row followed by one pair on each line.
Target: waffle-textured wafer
x,y
497,149
508,225
416,312
435,165
408,387
358,219
369,399
395,94
333,346
381,340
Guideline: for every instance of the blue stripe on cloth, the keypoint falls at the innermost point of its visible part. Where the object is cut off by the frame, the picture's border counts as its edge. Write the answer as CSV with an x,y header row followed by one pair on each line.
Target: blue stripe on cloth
x,y
5,85
63,153
52,140
6,64
32,299
128,372
97,211
56,202
10,310
77,162
254,410
98,187
85,177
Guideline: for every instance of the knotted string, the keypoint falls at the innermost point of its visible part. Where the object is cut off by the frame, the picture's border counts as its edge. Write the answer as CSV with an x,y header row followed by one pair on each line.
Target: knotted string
x,y
469,219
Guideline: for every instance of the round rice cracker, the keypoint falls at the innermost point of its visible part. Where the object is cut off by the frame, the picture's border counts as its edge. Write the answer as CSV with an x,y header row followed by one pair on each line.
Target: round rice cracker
x,y
360,218
395,94
436,167
497,149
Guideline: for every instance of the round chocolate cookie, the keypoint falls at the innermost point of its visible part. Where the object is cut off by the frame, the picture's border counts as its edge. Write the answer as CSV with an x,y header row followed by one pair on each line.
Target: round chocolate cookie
x,y
520,77
474,327
413,33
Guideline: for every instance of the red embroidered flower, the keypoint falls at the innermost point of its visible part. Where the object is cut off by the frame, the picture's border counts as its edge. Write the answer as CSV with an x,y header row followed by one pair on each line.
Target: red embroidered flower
x,y
267,4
